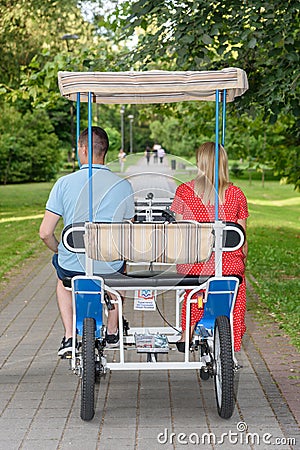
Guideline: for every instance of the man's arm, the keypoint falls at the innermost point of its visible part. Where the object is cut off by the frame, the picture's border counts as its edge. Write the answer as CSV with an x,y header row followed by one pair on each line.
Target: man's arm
x,y
47,229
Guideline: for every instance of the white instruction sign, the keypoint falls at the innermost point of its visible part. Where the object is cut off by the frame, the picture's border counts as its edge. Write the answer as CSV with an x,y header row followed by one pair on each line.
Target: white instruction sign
x,y
144,300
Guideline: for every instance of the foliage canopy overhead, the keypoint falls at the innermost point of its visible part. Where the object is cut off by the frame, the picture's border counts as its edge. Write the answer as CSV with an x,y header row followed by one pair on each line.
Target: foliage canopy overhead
x,y
263,38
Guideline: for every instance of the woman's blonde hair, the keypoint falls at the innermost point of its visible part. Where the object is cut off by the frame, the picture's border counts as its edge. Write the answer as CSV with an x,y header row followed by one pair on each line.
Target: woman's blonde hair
x,y
204,182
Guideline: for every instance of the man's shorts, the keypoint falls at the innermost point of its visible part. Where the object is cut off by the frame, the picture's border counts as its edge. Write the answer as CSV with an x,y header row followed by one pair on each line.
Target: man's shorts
x,y
64,273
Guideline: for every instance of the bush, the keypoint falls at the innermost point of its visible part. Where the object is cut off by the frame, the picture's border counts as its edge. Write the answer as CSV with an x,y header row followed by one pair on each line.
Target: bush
x,y
28,147
236,170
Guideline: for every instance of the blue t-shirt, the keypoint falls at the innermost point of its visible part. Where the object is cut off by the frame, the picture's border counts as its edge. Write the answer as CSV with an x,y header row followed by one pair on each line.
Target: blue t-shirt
x,y
113,201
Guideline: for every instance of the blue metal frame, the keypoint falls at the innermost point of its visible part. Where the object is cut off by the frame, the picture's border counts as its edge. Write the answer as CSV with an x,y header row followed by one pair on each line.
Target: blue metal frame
x,y
216,146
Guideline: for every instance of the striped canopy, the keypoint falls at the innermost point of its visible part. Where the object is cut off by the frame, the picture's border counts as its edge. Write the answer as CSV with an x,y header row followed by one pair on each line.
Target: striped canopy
x,y
154,86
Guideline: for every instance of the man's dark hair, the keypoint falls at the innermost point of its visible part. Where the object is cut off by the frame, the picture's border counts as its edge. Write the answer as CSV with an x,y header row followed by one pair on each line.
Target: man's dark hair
x,y
100,142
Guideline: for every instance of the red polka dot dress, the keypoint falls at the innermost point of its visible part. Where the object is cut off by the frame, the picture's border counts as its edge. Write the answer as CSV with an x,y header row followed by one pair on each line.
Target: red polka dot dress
x,y
190,206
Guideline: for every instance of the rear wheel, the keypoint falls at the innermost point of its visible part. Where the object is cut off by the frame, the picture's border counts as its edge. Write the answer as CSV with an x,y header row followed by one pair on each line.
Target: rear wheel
x,y
223,367
88,369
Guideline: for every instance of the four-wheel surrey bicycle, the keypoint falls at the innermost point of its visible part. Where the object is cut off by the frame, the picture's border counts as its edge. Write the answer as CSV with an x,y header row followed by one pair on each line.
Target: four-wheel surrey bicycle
x,y
158,241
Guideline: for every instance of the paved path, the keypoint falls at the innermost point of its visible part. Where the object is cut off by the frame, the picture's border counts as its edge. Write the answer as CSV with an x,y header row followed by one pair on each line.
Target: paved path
x,y
154,177
40,396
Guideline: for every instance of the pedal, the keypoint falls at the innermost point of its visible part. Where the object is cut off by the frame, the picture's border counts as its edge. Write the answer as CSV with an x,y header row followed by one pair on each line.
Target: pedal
x,y
67,355
108,302
126,326
201,331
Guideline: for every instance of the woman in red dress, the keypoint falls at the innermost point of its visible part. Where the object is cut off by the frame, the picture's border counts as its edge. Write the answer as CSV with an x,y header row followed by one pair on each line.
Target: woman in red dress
x,y
195,200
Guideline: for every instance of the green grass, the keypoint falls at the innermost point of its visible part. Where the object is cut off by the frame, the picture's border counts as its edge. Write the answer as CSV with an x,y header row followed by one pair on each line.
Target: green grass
x,y
273,235
21,210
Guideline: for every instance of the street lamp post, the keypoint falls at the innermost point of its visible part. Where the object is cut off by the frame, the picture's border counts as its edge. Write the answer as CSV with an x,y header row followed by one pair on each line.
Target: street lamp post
x,y
131,117
122,111
69,37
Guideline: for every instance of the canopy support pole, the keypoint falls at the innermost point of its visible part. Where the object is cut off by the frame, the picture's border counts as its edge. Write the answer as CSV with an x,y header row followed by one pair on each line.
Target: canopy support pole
x,y
90,156
223,117
78,125
217,158
89,261
218,223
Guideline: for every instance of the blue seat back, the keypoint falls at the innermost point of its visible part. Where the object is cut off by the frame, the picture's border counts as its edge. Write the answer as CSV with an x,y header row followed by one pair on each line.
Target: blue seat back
x,y
220,298
87,295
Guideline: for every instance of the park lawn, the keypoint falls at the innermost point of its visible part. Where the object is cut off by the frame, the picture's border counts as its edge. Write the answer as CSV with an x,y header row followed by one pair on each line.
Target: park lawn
x,y
21,210
274,259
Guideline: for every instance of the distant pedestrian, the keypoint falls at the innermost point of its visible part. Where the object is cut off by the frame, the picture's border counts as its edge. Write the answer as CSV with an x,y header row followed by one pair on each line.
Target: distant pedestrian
x,y
148,154
155,151
122,159
161,154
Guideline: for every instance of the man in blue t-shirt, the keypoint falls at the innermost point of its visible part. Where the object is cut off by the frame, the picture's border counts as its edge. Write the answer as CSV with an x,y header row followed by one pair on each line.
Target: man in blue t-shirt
x,y
69,198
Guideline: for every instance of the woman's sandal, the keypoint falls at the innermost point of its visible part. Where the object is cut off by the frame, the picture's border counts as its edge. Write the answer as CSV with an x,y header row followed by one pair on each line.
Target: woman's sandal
x,y
180,346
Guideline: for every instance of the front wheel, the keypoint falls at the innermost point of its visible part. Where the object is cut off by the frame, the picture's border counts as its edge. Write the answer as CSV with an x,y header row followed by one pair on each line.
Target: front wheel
x,y
223,367
88,369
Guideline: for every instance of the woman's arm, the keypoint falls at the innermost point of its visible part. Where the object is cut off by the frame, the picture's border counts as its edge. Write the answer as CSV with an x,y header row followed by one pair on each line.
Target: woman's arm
x,y
243,223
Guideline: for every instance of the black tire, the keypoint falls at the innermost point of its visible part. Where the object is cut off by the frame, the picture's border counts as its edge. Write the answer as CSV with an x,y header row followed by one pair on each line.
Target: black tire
x,y
88,369
223,367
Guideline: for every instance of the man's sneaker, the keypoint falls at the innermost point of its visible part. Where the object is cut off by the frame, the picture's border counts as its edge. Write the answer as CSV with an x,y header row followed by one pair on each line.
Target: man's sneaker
x,y
65,347
112,340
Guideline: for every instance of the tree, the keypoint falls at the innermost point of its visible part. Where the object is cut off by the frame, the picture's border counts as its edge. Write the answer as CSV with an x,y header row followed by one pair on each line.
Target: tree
x,y
29,27
261,37
27,156
183,128
32,51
